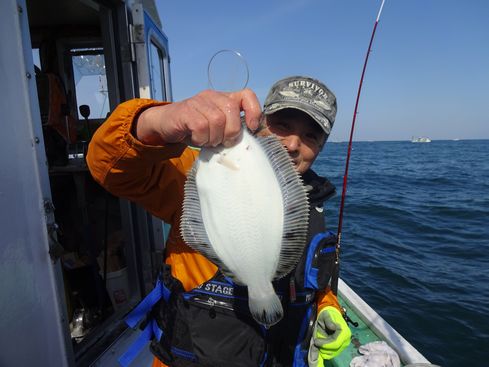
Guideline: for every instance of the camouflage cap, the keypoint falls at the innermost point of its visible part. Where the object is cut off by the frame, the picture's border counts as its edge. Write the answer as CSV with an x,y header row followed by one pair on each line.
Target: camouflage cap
x,y
305,94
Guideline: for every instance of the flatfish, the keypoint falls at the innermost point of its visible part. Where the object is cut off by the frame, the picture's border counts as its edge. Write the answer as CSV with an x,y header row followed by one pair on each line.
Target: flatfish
x,y
246,210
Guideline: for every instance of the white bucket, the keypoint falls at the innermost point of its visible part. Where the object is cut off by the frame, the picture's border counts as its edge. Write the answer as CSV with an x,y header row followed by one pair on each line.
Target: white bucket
x,y
118,288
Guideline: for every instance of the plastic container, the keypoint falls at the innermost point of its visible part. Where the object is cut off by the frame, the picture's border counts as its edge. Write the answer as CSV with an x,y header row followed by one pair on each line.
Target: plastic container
x,y
118,288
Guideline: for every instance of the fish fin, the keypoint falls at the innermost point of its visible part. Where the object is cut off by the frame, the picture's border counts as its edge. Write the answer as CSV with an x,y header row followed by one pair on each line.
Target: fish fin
x,y
265,306
192,226
296,205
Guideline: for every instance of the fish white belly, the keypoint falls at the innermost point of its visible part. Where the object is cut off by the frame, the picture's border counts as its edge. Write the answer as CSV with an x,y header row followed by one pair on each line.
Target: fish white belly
x,y
242,211
246,209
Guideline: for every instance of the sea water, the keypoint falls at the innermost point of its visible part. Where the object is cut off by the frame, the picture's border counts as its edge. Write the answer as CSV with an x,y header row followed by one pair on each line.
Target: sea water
x,y
416,240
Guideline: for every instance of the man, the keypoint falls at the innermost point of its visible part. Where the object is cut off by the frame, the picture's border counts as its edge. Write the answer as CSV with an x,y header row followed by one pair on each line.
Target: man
x,y
141,153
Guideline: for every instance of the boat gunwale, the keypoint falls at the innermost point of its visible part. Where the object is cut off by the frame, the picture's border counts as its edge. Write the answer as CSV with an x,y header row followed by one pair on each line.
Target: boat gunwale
x,y
406,351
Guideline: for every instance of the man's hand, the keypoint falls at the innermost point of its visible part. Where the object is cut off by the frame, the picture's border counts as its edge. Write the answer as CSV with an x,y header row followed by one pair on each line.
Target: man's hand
x,y
331,336
207,119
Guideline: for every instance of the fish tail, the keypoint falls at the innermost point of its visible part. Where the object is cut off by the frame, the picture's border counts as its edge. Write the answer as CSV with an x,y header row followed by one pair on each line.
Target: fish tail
x,y
265,306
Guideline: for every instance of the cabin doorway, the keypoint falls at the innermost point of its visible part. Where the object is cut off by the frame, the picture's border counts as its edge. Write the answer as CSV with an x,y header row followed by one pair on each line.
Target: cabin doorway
x,y
107,251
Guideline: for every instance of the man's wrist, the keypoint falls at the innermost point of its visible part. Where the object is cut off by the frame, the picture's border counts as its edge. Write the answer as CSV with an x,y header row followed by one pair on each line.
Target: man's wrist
x,y
142,127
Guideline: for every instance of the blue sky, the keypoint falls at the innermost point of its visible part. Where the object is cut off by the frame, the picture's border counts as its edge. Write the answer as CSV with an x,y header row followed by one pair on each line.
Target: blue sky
x,y
428,74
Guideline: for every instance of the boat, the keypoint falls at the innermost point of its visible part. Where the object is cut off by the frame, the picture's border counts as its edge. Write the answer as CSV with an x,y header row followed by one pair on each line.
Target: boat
x,y
371,328
76,260
420,139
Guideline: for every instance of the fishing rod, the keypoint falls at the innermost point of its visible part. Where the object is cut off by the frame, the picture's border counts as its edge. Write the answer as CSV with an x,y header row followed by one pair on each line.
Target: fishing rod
x,y
334,281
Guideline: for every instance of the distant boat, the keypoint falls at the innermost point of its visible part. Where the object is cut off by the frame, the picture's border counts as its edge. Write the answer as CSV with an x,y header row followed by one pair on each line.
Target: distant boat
x,y
420,139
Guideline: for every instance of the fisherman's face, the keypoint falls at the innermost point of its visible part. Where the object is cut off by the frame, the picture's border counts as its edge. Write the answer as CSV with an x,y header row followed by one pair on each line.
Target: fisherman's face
x,y
299,133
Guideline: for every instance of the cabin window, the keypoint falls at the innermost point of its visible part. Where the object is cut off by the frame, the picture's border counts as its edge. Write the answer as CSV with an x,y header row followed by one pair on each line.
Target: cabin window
x,y
157,72
90,81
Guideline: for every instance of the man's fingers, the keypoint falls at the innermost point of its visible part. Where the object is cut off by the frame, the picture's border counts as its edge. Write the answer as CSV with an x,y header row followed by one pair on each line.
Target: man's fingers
x,y
211,118
325,323
216,119
195,115
313,356
200,131
331,327
249,104
231,111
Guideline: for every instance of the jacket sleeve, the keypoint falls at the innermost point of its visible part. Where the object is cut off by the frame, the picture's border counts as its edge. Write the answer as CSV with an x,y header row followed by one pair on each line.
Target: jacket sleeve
x,y
327,298
148,175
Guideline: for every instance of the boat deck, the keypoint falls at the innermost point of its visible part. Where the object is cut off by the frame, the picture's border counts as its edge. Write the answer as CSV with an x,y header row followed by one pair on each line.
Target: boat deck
x,y
362,334
371,327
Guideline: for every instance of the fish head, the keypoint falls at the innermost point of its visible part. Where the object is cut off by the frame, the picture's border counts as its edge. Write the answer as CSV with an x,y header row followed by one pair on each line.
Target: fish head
x,y
207,153
229,156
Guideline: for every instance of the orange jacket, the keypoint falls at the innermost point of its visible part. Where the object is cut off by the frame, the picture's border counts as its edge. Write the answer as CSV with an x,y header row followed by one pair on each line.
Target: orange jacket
x,y
154,177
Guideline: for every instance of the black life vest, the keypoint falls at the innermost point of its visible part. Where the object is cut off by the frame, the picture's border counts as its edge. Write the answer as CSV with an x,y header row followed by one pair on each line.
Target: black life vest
x,y
211,325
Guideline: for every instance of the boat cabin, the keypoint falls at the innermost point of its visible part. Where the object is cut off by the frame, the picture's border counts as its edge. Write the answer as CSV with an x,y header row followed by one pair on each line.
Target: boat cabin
x,y
75,259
